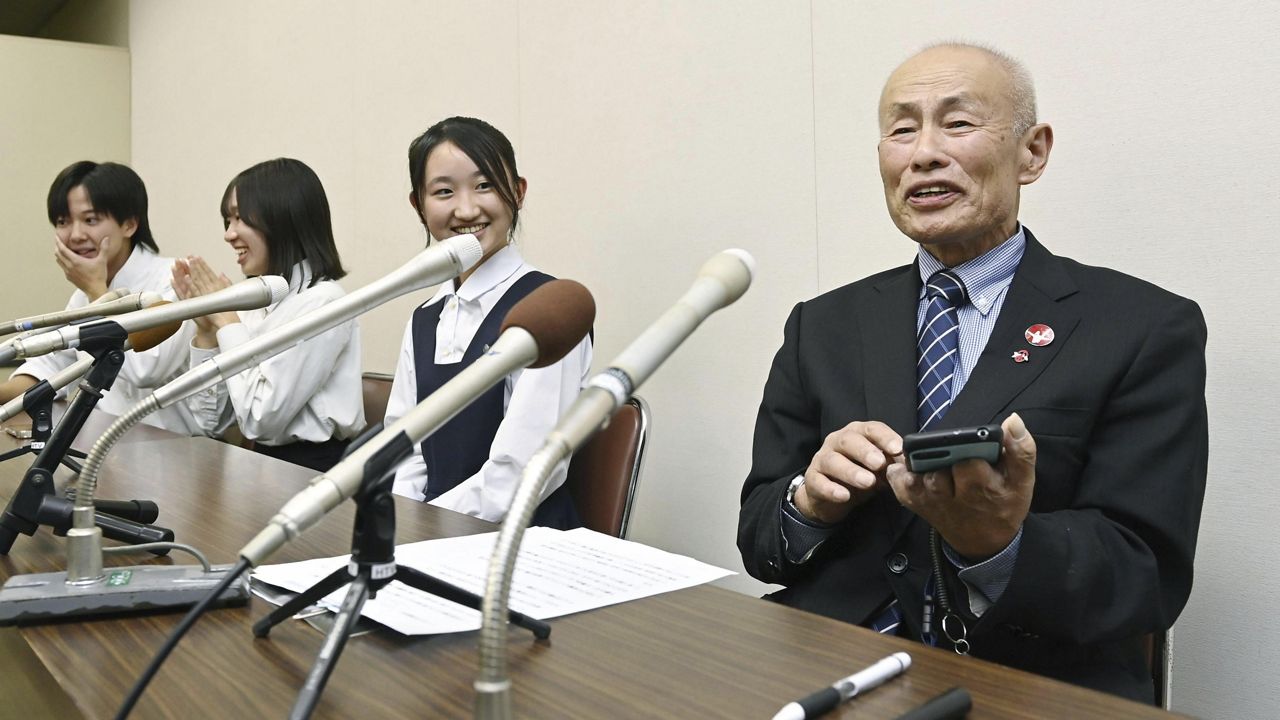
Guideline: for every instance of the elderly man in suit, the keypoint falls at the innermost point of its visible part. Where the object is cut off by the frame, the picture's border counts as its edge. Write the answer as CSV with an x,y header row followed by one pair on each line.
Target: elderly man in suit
x,y
1060,557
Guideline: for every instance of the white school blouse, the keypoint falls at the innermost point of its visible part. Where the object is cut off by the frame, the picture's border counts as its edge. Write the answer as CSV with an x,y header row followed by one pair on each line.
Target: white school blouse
x,y
533,399
310,392
142,372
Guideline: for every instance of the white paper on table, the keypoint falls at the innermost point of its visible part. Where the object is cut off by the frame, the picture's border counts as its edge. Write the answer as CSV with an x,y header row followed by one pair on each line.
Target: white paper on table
x,y
557,573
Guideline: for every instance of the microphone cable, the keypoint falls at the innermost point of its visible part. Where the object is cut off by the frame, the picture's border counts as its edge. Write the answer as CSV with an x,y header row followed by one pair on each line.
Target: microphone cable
x,y
172,641
199,608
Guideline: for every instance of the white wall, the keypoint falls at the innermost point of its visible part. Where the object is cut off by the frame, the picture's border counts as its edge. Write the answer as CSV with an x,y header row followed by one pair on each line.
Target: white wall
x,y
654,134
342,86
62,102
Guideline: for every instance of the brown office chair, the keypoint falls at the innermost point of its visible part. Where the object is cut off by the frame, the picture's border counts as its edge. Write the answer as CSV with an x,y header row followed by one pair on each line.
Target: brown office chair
x,y
377,390
604,472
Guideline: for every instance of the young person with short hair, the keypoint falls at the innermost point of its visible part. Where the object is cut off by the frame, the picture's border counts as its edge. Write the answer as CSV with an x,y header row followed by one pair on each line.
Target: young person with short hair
x,y
102,241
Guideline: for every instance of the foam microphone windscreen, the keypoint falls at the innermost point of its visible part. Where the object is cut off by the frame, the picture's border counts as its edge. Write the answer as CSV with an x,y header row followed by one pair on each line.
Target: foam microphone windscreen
x,y
144,340
558,315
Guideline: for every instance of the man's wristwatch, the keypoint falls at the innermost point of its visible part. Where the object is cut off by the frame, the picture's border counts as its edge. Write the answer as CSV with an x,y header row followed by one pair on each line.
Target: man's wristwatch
x,y
792,488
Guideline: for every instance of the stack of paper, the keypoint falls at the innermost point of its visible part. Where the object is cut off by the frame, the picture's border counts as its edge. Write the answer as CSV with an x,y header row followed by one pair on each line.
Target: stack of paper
x,y
557,573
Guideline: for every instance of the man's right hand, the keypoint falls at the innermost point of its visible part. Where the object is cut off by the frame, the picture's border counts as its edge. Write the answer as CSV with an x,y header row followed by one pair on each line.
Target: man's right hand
x,y
847,470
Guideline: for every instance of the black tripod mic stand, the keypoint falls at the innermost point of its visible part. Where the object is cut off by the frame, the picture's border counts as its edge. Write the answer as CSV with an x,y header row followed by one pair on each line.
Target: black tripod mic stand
x,y
36,501
372,566
38,404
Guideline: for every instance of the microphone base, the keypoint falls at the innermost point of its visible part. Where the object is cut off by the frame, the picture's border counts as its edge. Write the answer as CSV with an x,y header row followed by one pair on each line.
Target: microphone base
x,y
47,597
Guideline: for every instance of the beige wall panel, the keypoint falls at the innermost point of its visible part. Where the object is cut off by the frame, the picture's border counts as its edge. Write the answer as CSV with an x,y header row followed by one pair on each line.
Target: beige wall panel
x,y
343,87
418,68
63,102
1164,167
653,136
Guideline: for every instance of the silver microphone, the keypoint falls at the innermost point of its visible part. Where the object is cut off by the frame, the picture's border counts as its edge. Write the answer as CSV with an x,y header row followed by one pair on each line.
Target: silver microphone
x,y
439,262
442,261
110,306
56,382
159,586
141,341
721,281
538,331
106,297
245,295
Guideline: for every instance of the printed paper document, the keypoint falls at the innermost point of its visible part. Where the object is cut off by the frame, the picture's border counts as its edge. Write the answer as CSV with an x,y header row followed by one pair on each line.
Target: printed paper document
x,y
557,573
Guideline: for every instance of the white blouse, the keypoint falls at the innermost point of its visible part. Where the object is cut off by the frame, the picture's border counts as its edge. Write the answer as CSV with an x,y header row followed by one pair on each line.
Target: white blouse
x,y
533,400
142,372
310,392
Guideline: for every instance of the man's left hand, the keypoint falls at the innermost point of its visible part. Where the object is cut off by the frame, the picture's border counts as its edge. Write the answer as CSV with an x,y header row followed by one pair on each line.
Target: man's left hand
x,y
977,507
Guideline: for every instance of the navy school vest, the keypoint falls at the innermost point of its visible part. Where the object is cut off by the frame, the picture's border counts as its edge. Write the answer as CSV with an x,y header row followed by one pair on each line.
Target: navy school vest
x,y
460,447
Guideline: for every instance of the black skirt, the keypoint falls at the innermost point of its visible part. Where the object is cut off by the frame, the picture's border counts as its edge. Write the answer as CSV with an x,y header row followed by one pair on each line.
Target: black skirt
x,y
317,456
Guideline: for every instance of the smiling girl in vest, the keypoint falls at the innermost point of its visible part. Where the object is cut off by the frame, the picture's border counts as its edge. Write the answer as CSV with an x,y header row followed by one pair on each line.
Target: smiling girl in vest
x,y
464,180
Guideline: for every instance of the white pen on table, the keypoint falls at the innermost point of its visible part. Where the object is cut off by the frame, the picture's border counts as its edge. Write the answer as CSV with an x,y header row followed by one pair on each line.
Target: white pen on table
x,y
829,698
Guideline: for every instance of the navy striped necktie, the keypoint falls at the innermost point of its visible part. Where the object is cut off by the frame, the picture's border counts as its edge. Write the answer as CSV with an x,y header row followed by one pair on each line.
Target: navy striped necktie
x,y
939,346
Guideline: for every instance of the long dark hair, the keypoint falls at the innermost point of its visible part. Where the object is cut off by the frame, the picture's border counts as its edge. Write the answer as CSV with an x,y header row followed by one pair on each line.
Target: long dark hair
x,y
113,189
487,147
284,200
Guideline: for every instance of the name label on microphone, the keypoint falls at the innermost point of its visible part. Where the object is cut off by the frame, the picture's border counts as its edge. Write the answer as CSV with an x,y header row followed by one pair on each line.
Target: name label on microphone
x,y
119,578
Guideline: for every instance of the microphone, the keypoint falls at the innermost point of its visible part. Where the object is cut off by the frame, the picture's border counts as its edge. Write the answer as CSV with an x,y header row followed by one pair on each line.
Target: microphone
x,y
55,383
106,297
245,295
140,341
538,331
721,281
144,340
110,295
442,261
439,262
105,305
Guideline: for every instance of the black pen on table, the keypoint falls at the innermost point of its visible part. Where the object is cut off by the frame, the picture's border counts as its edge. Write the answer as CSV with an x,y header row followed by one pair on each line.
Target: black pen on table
x,y
829,698
950,705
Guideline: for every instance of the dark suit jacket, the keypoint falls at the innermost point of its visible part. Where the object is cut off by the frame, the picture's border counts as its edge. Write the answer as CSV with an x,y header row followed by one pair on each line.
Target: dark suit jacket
x,y
1116,406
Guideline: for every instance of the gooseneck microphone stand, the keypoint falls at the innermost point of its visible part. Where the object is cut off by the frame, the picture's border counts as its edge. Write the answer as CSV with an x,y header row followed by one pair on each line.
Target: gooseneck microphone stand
x,y
37,402
36,501
372,566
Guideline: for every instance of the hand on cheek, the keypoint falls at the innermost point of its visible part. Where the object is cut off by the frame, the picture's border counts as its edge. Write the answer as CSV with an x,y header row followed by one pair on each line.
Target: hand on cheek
x,y
87,274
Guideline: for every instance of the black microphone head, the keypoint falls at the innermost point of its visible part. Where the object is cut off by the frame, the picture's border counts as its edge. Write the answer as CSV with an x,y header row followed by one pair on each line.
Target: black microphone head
x,y
558,315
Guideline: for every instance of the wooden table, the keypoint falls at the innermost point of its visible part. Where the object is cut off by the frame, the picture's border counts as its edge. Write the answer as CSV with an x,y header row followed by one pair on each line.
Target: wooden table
x,y
704,652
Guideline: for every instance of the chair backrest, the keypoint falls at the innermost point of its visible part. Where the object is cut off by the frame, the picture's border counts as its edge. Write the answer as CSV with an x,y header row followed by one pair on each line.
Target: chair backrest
x,y
377,390
603,474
